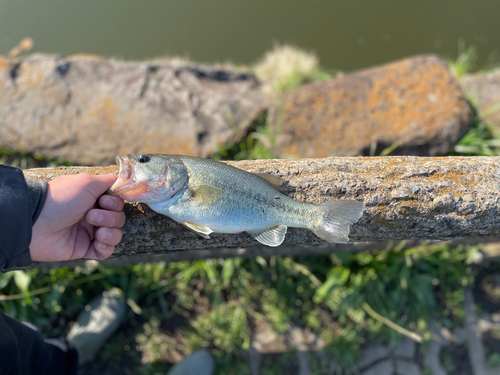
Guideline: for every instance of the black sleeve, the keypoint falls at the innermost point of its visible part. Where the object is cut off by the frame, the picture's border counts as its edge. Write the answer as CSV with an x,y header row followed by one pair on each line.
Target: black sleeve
x,y
21,202
24,351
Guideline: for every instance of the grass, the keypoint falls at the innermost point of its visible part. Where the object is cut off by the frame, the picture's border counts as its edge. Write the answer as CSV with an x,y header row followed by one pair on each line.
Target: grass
x,y
221,300
349,300
286,67
25,160
467,61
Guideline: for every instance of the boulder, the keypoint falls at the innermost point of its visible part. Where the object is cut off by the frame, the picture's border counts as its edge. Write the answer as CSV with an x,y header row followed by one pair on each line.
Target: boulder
x,y
483,89
86,109
414,106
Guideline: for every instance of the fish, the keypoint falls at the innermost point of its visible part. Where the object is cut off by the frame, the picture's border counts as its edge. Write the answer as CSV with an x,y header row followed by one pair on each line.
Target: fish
x,y
208,196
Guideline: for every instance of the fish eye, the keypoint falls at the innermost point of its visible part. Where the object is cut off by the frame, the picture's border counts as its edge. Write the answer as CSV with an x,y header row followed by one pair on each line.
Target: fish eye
x,y
144,158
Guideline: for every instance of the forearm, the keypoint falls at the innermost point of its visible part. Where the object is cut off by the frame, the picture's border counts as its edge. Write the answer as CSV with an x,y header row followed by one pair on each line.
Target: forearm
x,y
21,201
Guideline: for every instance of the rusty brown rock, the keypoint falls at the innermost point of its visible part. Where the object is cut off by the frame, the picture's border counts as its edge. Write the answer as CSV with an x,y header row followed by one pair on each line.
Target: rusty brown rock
x,y
415,102
87,110
407,198
484,91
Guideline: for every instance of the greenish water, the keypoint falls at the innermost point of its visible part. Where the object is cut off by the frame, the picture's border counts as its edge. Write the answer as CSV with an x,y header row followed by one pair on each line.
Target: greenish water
x,y
347,34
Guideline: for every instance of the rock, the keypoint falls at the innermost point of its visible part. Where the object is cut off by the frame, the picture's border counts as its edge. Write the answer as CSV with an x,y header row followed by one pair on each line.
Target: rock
x,y
87,110
299,339
200,362
472,180
254,361
382,368
407,368
372,355
266,341
405,349
414,103
484,91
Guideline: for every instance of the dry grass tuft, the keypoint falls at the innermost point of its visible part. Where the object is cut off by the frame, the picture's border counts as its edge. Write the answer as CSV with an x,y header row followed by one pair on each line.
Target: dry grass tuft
x,y
285,65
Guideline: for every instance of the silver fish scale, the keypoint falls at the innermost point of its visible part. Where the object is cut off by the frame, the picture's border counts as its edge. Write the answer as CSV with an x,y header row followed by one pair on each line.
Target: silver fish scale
x,y
248,203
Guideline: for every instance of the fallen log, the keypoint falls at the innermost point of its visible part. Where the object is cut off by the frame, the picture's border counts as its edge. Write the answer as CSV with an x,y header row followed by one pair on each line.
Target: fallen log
x,y
407,198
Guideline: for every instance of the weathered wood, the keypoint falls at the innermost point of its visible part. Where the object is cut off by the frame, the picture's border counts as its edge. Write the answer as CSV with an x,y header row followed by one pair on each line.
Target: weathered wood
x,y
406,198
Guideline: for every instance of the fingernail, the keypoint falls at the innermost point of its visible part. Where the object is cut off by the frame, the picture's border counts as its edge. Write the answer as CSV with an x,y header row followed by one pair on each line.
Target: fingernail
x,y
96,217
105,233
100,246
107,201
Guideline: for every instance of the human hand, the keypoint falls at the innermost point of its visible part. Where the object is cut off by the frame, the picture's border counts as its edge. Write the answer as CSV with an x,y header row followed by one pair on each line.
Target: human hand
x,y
72,225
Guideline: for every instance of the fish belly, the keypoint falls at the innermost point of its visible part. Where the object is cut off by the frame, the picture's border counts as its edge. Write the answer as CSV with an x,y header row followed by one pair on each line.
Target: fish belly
x,y
239,215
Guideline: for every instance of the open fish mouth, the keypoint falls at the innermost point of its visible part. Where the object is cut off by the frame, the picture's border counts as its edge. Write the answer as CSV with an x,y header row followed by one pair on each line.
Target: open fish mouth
x,y
125,167
126,186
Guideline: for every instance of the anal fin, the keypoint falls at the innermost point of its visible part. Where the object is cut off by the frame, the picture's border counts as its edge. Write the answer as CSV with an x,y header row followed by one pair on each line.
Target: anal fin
x,y
200,229
270,237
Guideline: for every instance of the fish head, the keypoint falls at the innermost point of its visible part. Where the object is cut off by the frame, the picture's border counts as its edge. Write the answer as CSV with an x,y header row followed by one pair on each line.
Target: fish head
x,y
148,178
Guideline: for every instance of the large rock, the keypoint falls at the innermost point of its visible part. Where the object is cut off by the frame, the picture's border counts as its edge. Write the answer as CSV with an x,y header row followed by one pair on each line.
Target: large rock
x,y
484,92
414,104
87,110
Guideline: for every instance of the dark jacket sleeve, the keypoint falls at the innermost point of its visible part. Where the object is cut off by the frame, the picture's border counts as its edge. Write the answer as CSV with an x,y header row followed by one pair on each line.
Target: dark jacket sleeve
x,y
21,201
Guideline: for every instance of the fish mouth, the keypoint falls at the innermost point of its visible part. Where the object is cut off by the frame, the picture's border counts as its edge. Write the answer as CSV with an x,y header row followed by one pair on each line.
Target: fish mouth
x,y
126,187
125,167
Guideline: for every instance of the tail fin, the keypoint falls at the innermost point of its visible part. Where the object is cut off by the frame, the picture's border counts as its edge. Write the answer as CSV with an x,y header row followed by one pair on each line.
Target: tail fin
x,y
337,217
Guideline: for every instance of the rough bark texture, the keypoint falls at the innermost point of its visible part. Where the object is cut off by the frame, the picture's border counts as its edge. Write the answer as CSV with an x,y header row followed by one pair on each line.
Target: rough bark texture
x,y
87,109
406,198
414,103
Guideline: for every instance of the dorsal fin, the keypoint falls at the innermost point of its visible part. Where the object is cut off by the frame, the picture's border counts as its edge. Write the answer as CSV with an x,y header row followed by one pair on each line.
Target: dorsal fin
x,y
275,181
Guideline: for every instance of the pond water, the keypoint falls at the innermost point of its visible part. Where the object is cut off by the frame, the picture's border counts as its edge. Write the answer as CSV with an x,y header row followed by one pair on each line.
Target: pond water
x,y
346,34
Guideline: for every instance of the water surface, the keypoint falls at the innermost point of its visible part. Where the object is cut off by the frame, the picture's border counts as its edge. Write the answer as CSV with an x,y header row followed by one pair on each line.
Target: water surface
x,y
347,34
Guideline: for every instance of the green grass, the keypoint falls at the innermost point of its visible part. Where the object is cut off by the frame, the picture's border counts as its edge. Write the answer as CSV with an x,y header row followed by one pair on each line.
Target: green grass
x,y
467,61
258,143
25,160
223,299
482,139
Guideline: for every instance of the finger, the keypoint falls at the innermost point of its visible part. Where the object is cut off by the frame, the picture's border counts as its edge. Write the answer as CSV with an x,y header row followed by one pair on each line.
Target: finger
x,y
99,251
109,202
108,236
100,183
104,218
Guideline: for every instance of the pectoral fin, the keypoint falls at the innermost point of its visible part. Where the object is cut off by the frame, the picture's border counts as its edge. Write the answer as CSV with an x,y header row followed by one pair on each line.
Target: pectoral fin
x,y
271,237
276,182
205,195
200,229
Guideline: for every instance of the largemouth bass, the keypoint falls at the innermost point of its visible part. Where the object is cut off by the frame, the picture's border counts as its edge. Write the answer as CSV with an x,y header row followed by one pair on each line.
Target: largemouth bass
x,y
212,197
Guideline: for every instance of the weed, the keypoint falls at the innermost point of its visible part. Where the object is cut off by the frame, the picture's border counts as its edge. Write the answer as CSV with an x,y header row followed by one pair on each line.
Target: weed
x,y
25,160
482,139
493,360
466,62
286,67
258,143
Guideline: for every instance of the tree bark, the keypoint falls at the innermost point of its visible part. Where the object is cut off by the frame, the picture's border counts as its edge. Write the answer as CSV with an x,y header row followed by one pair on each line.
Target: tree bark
x,y
407,198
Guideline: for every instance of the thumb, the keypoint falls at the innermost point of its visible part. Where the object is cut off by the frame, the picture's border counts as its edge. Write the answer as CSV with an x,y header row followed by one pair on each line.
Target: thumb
x,y
99,184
